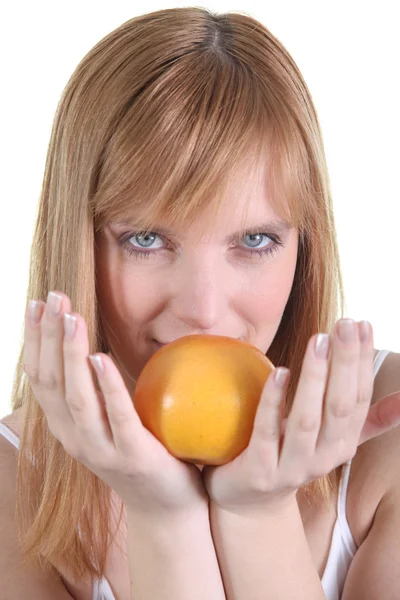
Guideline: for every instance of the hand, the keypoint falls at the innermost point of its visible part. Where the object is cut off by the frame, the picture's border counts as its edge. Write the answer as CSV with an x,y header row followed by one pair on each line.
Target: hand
x,y
326,425
101,429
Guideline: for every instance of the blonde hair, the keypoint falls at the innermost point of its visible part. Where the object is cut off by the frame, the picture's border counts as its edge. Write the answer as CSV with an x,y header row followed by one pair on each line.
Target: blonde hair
x,y
153,124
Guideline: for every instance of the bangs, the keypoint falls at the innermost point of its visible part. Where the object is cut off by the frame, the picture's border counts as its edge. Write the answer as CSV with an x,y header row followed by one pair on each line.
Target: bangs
x,y
194,130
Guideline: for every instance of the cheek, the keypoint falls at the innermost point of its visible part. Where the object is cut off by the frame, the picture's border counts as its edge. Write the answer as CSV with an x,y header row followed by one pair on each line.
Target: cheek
x,y
262,304
125,295
131,300
266,298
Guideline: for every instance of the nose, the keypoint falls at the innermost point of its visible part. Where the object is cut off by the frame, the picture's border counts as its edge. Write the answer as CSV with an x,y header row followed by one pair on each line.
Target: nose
x,y
200,293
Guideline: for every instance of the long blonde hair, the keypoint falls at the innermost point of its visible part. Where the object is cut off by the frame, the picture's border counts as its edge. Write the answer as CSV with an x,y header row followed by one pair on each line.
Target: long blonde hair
x,y
153,122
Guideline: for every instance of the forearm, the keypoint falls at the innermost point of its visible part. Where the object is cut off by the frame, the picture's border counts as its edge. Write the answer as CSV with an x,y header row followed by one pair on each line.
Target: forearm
x,y
264,556
173,559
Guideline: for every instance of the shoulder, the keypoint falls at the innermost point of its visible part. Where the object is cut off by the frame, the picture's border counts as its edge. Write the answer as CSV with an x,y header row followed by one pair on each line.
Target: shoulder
x,y
8,467
387,379
13,421
375,472
381,452
21,581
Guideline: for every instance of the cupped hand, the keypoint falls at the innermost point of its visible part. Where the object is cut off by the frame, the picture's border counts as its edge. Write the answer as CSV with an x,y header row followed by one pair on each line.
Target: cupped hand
x,y
100,427
330,417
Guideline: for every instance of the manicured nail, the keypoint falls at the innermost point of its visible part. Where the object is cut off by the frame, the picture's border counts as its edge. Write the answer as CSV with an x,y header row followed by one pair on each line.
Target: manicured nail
x,y
69,326
322,345
97,363
34,310
54,303
347,330
365,331
281,376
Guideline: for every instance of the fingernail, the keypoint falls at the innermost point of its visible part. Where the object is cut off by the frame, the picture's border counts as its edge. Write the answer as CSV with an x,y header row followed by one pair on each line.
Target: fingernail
x,y
97,363
365,331
322,344
281,376
54,302
69,326
347,330
34,310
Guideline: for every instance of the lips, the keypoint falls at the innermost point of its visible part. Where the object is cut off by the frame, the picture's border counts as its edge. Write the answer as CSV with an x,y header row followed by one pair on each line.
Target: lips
x,y
161,344
158,344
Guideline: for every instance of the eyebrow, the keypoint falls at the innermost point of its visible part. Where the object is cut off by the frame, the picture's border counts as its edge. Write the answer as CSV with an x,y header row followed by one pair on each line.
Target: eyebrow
x,y
272,226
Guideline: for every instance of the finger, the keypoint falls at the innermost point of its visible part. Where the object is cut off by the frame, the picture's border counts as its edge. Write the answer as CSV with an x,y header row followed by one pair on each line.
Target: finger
x,y
267,427
342,390
32,337
49,385
382,416
365,381
81,396
304,421
127,429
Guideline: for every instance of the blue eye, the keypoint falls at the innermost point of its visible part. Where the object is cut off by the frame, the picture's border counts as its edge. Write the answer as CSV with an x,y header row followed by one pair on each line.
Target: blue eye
x,y
137,253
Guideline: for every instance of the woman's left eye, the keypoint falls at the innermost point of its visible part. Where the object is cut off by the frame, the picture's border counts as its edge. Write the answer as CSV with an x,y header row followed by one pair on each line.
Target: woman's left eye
x,y
126,245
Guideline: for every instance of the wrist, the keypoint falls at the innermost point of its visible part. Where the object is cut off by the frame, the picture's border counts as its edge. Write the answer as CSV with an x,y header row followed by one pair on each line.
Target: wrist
x,y
164,519
272,508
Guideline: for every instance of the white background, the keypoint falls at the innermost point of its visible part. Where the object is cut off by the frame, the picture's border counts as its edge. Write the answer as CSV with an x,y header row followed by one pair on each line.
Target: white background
x,y
348,53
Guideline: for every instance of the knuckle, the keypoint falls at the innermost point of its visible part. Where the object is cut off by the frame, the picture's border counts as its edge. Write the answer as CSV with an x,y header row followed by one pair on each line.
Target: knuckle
x,y
31,333
308,422
49,382
270,431
340,410
50,330
315,370
348,358
32,373
365,395
259,477
71,349
75,403
116,416
260,484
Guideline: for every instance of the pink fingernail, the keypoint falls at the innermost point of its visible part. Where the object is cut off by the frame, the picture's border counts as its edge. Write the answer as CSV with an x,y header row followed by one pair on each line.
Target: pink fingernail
x,y
34,310
97,363
281,376
69,326
365,329
322,343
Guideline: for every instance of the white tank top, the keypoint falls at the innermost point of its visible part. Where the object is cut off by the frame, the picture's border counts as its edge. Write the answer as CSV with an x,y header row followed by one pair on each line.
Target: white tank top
x,y
343,547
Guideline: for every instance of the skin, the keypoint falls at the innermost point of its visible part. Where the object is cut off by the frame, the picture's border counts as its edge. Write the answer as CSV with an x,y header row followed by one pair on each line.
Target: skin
x,y
199,283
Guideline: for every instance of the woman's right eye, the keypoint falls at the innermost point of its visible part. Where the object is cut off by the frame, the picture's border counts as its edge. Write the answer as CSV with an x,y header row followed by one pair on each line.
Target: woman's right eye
x,y
139,251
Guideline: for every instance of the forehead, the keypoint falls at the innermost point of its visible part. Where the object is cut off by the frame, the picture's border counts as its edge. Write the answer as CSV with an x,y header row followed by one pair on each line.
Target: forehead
x,y
246,205
245,198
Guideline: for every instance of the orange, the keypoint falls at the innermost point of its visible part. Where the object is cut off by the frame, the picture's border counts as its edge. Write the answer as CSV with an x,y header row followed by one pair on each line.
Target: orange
x,y
199,395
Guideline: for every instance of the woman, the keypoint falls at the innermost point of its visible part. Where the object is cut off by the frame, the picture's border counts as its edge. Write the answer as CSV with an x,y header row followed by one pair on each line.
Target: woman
x,y
181,137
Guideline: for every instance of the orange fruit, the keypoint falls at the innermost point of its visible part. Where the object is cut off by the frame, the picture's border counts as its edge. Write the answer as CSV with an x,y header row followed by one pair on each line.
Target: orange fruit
x,y
199,395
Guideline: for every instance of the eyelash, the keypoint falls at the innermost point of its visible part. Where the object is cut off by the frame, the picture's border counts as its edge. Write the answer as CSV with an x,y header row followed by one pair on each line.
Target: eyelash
x,y
132,250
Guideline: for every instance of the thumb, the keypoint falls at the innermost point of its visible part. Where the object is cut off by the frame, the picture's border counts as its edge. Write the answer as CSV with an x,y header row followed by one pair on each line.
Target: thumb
x,y
382,416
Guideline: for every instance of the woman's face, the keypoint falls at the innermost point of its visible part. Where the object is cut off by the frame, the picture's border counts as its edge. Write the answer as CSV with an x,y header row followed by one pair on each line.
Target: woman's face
x,y
202,279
